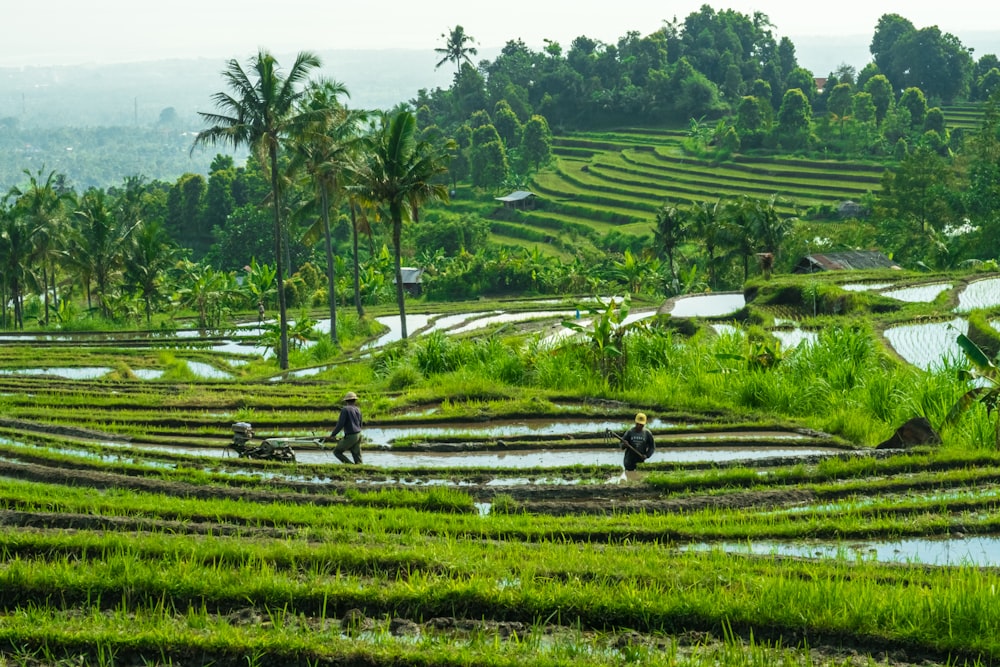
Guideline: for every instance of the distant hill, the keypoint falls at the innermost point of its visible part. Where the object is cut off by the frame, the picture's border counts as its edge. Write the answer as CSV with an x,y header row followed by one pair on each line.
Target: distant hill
x,y
135,94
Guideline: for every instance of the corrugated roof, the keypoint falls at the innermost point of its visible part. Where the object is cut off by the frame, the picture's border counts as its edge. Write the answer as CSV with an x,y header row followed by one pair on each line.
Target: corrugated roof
x,y
517,195
411,276
847,260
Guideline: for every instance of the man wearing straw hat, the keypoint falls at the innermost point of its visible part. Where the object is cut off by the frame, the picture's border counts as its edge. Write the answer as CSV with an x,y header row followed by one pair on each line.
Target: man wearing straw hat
x,y
637,443
350,423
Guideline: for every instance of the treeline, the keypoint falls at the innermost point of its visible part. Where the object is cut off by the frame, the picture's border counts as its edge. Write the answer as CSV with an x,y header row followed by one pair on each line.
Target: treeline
x,y
730,72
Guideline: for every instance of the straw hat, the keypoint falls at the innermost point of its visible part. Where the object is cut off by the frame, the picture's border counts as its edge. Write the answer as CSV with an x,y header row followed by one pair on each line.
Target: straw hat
x,y
350,396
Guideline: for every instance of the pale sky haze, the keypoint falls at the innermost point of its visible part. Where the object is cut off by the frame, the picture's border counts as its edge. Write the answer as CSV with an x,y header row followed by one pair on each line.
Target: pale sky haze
x,y
100,31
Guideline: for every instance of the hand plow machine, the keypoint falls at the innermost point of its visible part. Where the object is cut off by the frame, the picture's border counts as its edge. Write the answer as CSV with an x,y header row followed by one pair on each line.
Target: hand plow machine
x,y
269,449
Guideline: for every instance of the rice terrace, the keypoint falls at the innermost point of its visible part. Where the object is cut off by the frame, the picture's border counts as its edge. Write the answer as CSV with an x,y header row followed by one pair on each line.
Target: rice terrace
x,y
666,351
766,527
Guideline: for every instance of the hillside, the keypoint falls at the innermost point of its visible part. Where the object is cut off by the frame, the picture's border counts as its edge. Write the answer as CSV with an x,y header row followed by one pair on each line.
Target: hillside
x,y
606,182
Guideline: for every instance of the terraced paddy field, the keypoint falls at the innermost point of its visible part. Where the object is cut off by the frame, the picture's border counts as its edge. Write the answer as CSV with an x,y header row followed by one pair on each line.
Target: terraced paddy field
x,y
616,180
491,524
967,117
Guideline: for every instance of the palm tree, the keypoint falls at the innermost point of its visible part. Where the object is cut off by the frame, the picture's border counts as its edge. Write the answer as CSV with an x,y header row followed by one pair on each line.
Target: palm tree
x,y
738,230
44,205
325,151
148,258
706,220
98,242
15,250
399,174
672,230
261,113
455,49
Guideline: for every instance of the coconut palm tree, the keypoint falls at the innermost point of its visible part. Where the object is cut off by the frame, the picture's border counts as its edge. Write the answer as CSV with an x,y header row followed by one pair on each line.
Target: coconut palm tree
x,y
16,232
455,49
399,174
98,241
325,151
260,112
672,230
44,205
149,256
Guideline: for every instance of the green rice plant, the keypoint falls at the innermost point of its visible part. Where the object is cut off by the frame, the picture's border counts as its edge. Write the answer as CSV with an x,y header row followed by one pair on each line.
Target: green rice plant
x,y
175,370
504,503
438,353
403,376
322,350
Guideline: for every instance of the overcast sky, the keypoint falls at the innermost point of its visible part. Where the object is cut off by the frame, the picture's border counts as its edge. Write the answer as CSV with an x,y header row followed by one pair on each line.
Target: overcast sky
x,y
100,31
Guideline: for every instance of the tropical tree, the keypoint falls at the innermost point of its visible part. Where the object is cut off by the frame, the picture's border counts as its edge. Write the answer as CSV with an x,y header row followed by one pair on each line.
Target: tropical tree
x,y
536,143
706,221
44,206
326,151
457,48
672,229
99,238
259,282
207,291
150,255
399,174
261,113
15,251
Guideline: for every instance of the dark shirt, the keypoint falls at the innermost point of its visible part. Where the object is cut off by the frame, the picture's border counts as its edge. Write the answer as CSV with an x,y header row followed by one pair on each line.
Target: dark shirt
x,y
349,421
642,441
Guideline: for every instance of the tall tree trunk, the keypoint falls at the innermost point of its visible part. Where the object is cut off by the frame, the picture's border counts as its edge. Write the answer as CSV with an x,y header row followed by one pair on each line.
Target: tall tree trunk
x,y
18,312
331,267
55,288
45,288
395,211
357,267
279,268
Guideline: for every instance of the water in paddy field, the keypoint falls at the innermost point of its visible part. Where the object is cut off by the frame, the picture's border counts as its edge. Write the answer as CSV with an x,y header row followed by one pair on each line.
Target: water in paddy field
x,y
522,459
707,305
69,373
979,294
928,345
918,294
977,551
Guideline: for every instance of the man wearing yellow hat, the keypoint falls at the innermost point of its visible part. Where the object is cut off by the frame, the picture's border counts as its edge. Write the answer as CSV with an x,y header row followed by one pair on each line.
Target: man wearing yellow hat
x,y
637,443
349,422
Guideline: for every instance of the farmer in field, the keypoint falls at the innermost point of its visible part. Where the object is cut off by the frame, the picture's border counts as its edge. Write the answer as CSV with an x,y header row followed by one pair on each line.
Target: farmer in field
x,y
637,443
350,423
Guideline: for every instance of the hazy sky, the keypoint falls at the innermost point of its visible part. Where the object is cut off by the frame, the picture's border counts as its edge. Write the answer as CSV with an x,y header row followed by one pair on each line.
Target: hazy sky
x,y
78,31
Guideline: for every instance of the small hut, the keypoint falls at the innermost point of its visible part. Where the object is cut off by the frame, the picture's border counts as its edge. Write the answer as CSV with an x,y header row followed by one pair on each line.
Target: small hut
x,y
412,280
522,199
851,260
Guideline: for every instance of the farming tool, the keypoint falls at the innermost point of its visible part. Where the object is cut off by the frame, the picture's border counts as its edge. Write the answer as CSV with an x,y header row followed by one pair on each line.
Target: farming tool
x,y
627,444
270,449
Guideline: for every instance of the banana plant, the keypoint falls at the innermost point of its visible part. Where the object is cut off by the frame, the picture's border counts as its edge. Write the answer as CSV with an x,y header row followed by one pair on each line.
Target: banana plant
x,y
986,392
605,334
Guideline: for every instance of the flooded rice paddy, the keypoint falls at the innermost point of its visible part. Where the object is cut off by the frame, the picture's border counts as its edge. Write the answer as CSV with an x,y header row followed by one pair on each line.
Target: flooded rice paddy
x,y
919,293
523,459
979,294
708,305
929,345
977,551
864,287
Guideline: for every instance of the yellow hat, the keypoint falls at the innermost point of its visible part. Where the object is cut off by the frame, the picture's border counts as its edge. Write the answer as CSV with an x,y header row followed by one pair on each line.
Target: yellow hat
x,y
640,418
